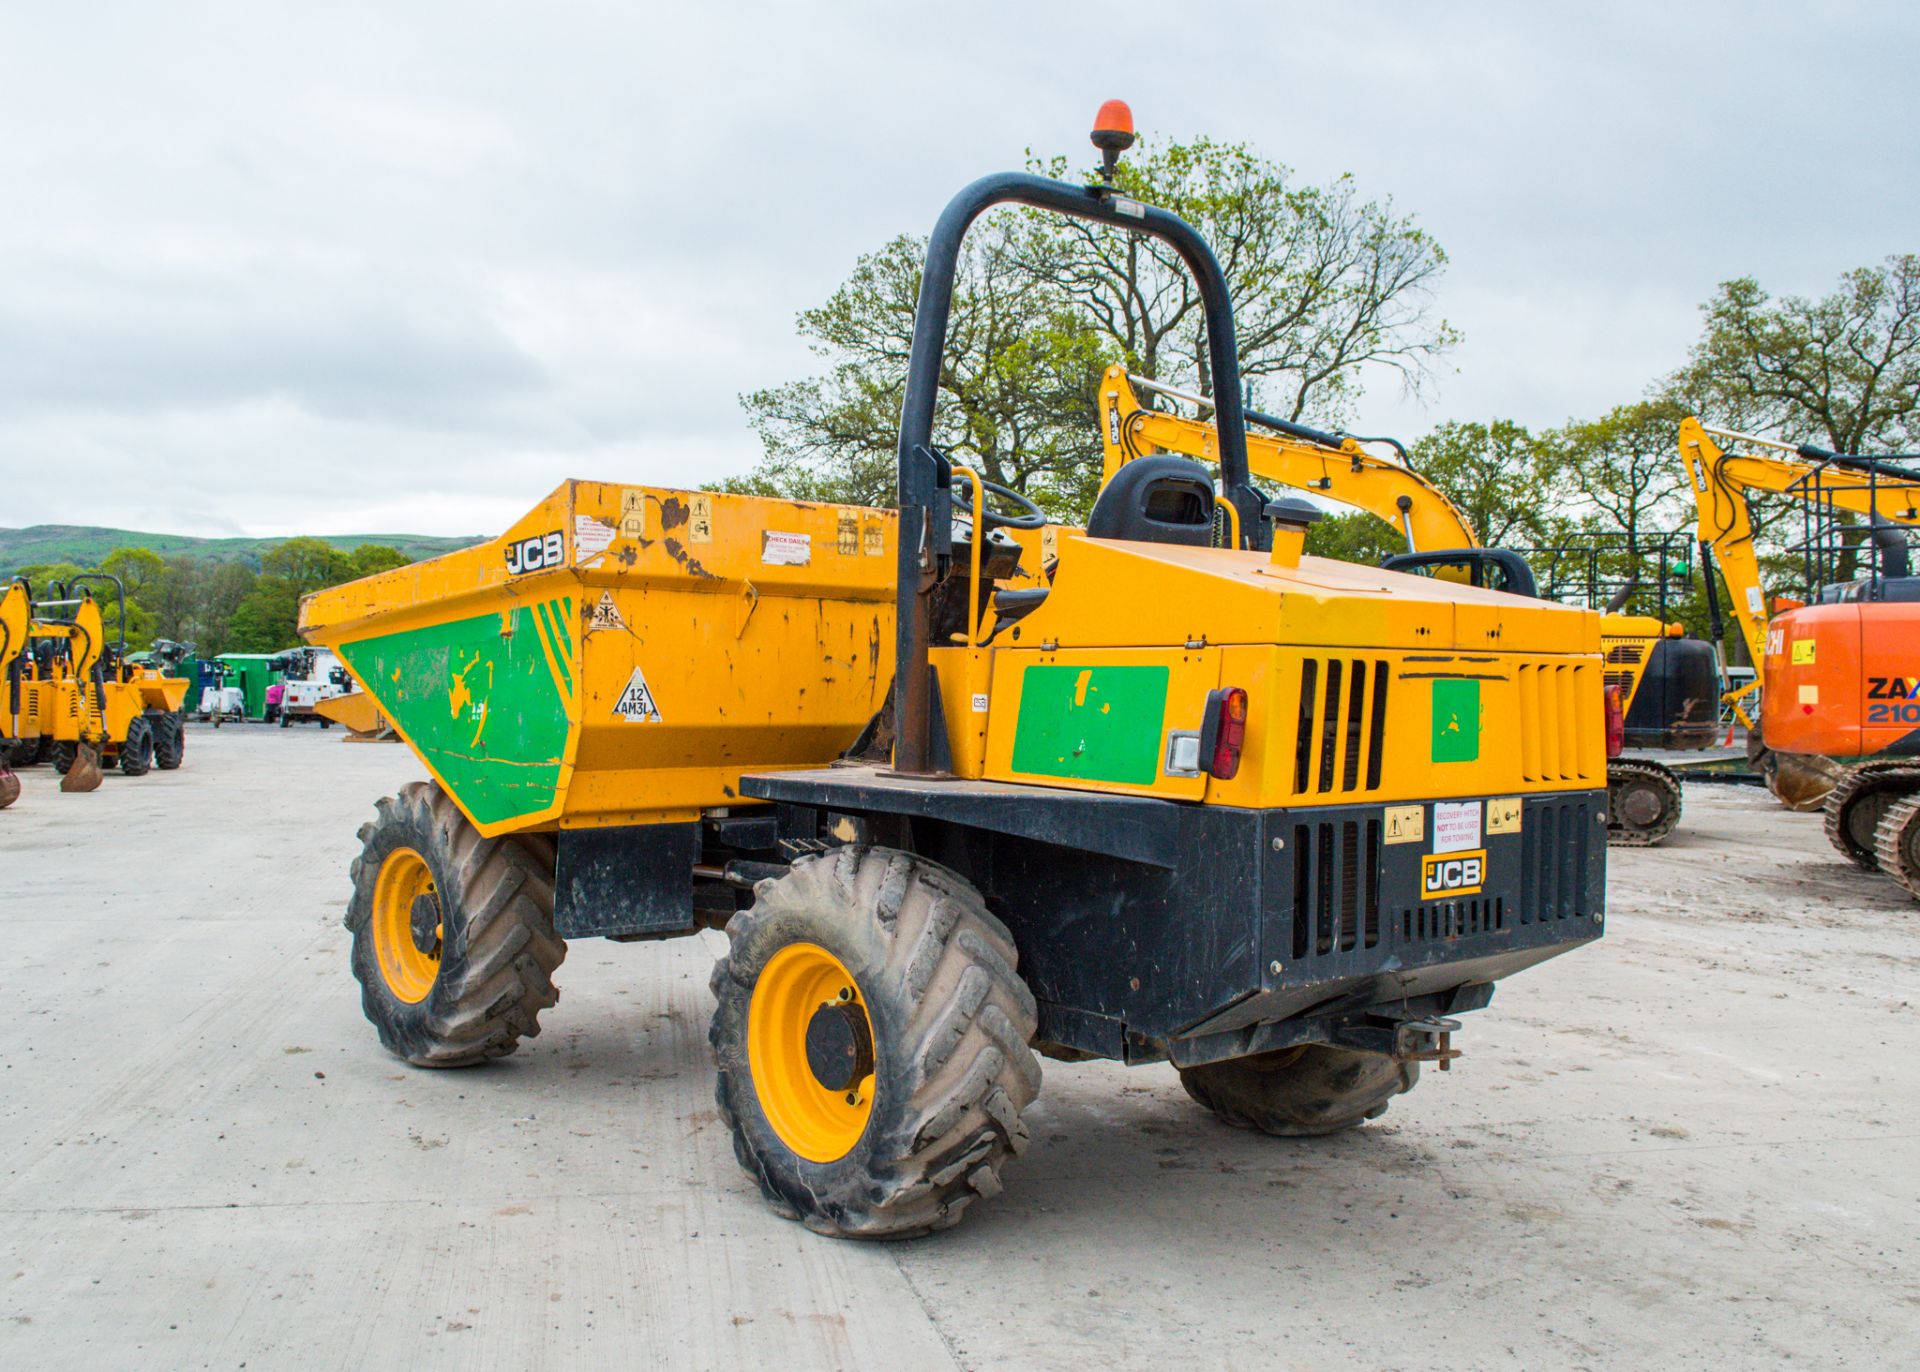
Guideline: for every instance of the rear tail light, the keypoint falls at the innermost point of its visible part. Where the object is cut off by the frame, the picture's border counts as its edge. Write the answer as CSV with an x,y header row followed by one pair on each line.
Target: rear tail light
x,y
1223,732
1616,721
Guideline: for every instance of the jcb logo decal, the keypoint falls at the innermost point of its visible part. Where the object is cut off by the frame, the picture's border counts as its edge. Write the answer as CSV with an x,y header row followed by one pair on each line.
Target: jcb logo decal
x,y
532,554
1893,687
1452,874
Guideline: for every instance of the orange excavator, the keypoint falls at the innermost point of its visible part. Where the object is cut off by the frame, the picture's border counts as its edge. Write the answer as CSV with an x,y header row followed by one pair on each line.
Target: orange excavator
x,y
1839,675
1650,664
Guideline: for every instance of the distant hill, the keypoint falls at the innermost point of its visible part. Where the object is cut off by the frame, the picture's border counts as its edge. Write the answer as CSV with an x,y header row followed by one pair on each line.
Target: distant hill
x,y
86,545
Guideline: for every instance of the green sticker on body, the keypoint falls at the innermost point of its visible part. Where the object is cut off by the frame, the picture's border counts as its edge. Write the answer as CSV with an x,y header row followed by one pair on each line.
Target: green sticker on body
x,y
1456,721
1091,723
484,700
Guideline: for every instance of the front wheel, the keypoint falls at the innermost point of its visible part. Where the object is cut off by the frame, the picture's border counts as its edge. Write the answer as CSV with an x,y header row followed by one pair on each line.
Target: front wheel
x,y
872,1042
453,941
1312,1089
136,749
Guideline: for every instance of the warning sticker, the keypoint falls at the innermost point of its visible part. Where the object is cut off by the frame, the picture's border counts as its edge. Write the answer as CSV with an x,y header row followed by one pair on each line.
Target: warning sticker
x,y
633,514
1456,825
1803,652
1754,605
873,539
846,537
700,520
785,550
605,614
1503,815
1406,823
590,536
636,702
979,702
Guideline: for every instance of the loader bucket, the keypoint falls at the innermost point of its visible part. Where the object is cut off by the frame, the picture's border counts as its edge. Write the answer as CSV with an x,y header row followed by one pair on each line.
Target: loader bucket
x,y
84,775
9,787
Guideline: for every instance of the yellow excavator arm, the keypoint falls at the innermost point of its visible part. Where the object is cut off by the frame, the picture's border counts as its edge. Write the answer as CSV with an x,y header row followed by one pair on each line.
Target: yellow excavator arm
x,y
16,622
1347,472
1721,482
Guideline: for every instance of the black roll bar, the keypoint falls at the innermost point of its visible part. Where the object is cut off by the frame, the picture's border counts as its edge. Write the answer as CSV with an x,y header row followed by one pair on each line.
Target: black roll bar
x,y
925,475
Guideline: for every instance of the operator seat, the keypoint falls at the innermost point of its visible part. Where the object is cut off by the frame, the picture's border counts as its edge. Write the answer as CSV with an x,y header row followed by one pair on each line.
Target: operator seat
x,y
1161,499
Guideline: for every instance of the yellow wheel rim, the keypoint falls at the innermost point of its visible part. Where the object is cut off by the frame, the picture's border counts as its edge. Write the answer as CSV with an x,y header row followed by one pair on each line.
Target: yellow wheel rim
x,y
804,989
408,970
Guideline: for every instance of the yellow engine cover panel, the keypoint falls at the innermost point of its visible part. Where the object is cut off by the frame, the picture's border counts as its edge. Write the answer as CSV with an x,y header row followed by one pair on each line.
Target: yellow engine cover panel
x,y
1099,719
1339,727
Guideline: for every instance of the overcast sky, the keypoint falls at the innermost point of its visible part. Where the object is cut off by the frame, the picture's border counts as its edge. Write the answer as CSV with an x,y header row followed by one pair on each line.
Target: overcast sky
x,y
404,267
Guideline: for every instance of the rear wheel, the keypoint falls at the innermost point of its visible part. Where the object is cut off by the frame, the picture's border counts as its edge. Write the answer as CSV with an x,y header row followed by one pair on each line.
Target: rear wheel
x,y
453,941
136,749
62,754
872,1042
1312,1089
169,739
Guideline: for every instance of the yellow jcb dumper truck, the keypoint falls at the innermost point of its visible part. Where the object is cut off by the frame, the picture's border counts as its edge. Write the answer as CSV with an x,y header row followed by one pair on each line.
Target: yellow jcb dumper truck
x,y
1665,685
1275,820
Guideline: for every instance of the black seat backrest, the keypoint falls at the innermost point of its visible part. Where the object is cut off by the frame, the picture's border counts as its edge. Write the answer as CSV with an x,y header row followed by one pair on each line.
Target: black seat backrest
x,y
1161,499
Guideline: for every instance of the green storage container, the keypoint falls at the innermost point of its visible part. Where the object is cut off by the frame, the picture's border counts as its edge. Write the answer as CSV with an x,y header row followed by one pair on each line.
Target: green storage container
x,y
252,675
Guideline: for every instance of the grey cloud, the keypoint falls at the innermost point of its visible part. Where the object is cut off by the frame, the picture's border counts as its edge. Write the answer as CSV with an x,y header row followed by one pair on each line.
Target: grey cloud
x,y
409,266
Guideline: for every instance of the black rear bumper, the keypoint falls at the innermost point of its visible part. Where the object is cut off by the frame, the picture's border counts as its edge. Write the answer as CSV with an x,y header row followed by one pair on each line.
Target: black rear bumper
x,y
1151,928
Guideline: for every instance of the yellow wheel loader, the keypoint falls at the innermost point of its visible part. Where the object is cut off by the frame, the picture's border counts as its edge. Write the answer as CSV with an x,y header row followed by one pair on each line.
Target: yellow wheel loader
x,y
1665,685
1274,820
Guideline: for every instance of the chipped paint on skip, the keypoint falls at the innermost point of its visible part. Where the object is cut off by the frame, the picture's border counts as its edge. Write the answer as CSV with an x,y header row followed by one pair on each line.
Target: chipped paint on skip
x,y
485,701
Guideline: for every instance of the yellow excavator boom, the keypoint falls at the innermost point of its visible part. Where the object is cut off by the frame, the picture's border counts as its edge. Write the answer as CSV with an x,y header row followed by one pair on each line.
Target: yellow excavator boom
x,y
1721,482
1349,474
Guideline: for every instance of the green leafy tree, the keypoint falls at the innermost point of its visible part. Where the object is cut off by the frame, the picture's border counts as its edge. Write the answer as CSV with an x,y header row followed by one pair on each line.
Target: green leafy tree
x,y
1327,286
1499,476
1017,387
370,559
1356,537
1842,371
268,619
140,571
222,588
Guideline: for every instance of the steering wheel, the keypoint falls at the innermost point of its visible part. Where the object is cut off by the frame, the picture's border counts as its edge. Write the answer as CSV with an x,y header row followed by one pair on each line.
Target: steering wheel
x,y
1033,518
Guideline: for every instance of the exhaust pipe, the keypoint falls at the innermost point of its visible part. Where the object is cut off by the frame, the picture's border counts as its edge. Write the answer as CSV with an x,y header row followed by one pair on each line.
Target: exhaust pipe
x,y
1891,540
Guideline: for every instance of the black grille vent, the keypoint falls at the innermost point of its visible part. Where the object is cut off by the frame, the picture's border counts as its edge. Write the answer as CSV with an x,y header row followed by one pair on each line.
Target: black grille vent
x,y
1554,844
1447,919
1343,721
1336,886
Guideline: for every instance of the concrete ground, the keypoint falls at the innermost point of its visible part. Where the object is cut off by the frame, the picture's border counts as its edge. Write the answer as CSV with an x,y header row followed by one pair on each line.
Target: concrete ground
x,y
1693,1145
